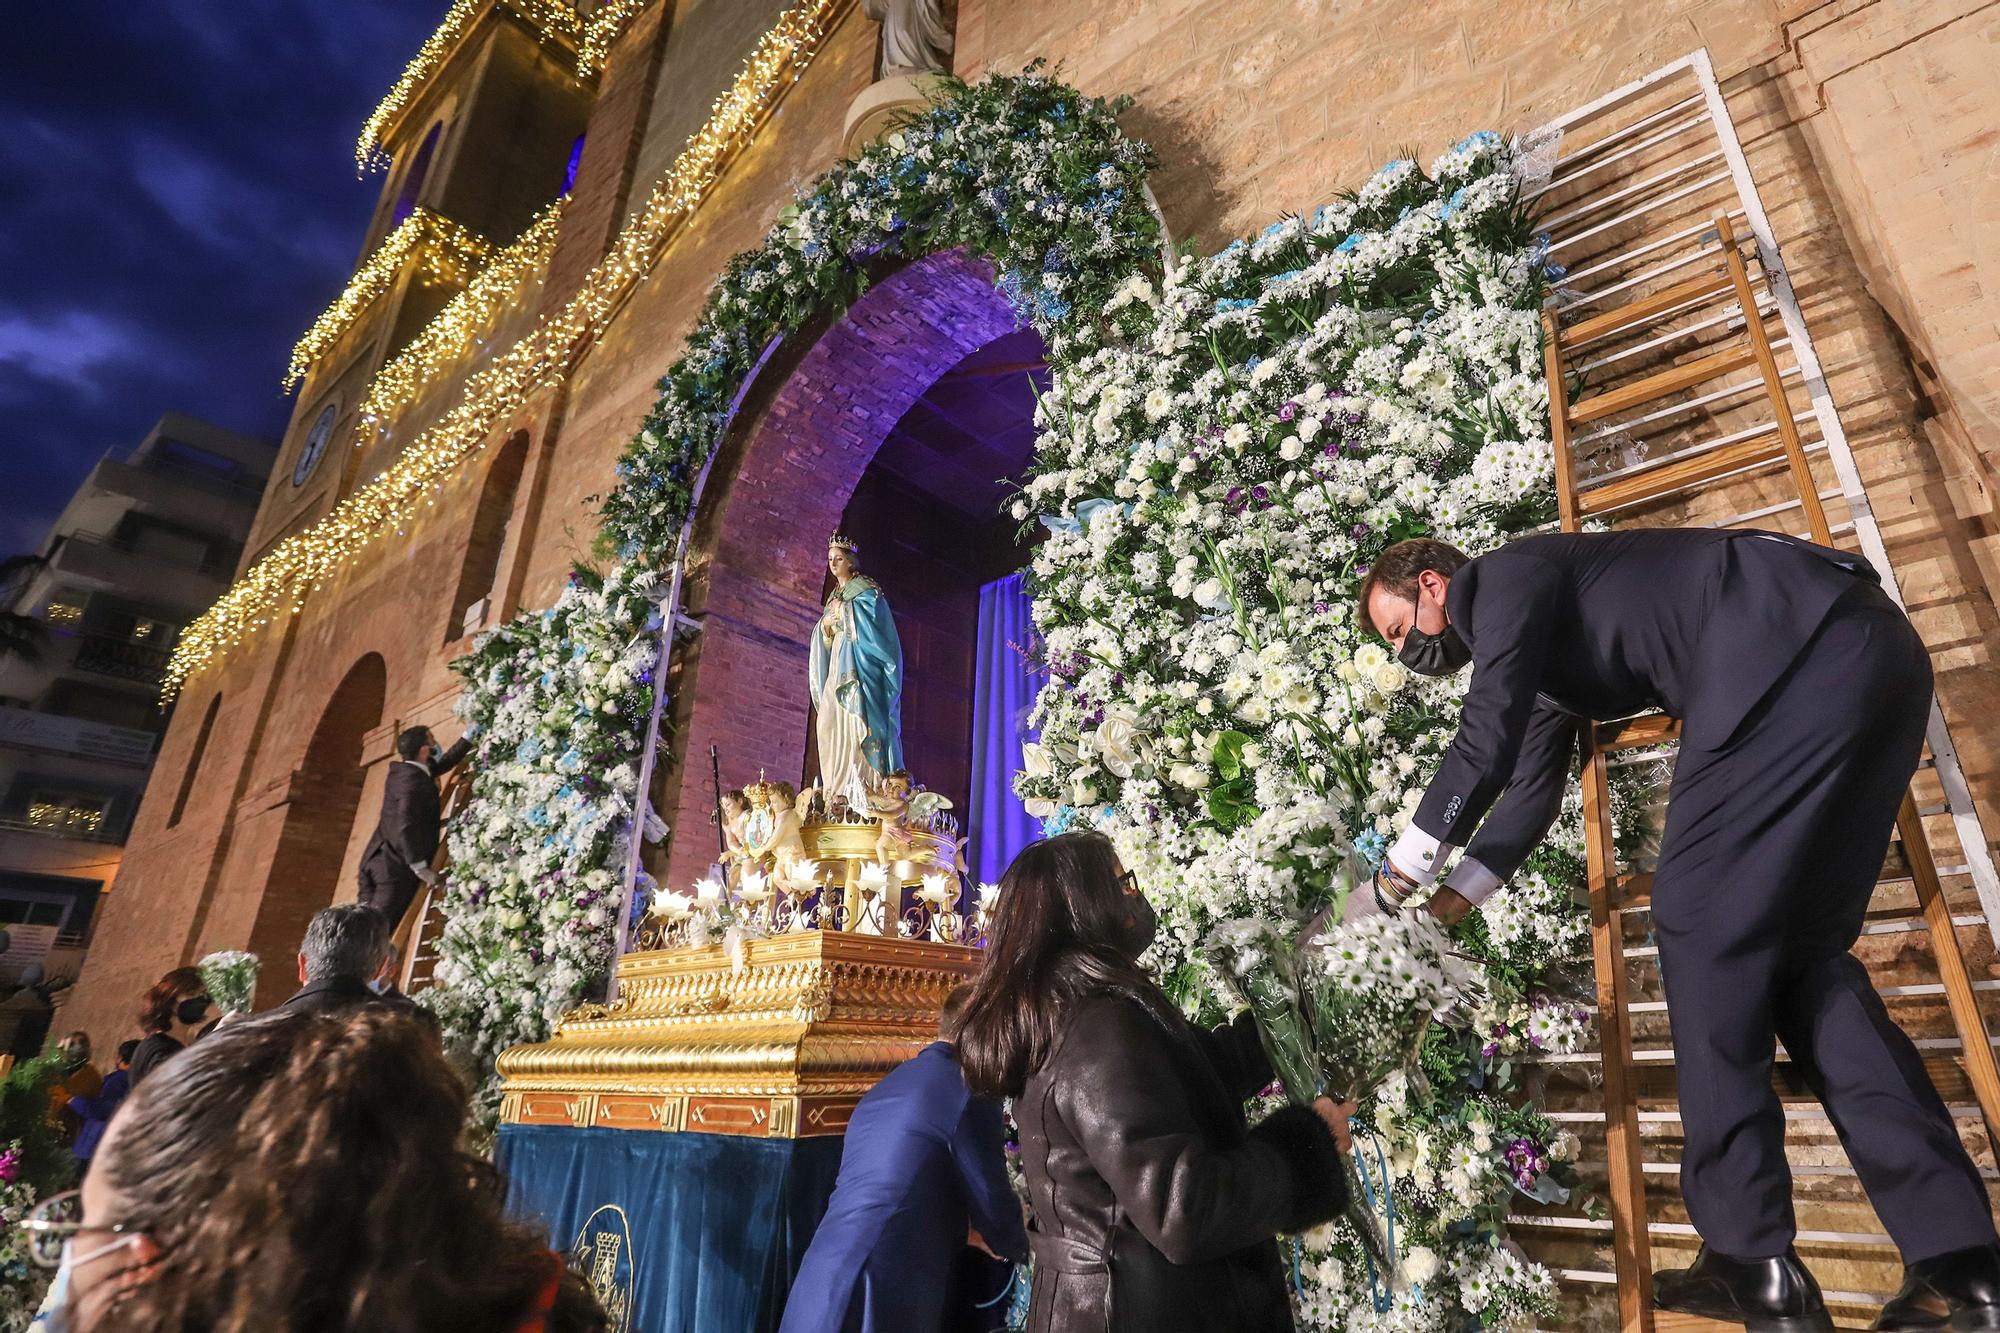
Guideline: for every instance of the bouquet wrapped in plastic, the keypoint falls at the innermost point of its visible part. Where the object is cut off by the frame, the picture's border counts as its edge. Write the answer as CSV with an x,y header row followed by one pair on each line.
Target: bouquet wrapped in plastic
x,y
1339,1011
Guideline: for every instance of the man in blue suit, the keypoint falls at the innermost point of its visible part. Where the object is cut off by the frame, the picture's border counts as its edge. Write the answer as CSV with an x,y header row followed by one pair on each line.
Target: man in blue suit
x,y
922,1172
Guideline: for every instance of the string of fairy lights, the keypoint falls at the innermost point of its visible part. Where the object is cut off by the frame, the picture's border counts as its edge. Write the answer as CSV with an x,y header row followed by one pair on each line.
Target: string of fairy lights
x,y
555,18
445,251
279,583
606,22
455,331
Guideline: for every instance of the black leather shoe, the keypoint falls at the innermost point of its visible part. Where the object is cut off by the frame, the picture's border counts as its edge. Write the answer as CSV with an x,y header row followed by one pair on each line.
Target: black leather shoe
x,y
1764,1295
1959,1290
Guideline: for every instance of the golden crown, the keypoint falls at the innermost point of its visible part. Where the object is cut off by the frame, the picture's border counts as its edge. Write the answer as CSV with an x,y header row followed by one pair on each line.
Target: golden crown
x,y
844,542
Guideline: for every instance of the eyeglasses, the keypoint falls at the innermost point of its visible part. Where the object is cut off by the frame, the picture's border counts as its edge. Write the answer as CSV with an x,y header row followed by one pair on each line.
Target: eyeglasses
x,y
1128,883
57,1220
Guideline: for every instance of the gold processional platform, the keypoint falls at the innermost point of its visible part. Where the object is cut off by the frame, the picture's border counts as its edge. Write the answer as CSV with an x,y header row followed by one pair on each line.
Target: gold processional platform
x,y
778,1037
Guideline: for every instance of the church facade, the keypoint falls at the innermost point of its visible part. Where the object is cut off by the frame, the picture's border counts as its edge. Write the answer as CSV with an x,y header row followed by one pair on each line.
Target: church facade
x,y
520,152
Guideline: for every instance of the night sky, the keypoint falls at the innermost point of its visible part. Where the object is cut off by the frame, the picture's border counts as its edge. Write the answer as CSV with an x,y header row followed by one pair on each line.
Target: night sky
x,y
178,201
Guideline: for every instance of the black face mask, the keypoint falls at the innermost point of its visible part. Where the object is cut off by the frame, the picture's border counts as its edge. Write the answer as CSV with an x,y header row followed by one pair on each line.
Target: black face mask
x,y
1139,932
1437,654
192,1010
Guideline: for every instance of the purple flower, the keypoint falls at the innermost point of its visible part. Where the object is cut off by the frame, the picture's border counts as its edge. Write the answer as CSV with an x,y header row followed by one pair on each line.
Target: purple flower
x,y
1526,1160
1358,531
1321,608
10,1165
1288,411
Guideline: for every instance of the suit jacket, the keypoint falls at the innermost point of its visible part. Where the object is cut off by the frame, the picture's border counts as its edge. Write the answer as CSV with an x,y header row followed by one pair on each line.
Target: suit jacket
x,y
339,994
1572,626
407,832
923,1157
1156,1207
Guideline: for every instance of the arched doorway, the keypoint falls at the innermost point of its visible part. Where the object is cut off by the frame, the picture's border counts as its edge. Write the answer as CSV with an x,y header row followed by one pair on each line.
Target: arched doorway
x,y
319,824
901,420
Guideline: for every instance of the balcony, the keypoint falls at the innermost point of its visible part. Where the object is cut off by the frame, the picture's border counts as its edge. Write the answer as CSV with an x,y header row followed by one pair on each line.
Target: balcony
x,y
163,576
121,658
93,830
199,497
75,737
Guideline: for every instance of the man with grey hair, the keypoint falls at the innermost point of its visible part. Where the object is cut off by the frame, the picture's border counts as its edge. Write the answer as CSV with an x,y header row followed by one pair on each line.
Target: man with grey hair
x,y
342,963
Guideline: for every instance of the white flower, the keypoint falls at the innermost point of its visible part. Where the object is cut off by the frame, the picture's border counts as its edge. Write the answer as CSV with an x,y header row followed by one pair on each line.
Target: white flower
x,y
1420,1265
1120,744
1387,678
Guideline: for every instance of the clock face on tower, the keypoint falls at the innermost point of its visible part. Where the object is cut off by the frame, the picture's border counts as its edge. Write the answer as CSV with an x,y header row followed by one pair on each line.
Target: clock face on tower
x,y
315,446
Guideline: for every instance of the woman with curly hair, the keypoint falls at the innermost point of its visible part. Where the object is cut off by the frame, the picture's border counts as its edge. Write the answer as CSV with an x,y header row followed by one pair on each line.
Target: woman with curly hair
x,y
302,1173
173,1013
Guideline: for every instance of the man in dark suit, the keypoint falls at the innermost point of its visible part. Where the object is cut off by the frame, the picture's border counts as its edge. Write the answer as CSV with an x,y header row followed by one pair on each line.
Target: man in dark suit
x,y
922,1174
398,858
342,965
1803,694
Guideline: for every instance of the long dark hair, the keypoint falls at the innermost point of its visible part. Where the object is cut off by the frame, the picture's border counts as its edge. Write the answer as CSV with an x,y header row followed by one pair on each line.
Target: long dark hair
x,y
302,1173
1059,934
156,1009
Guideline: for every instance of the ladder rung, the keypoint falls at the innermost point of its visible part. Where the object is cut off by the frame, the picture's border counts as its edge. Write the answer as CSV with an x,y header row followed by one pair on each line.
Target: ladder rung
x,y
1632,892
1635,312
1759,450
1632,733
1557,179
1679,407
1660,384
1562,1223
1639,187
1766,303
1672,1115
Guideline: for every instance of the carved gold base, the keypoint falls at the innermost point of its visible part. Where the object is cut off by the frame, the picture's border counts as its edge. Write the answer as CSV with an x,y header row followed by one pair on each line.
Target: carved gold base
x,y
782,1047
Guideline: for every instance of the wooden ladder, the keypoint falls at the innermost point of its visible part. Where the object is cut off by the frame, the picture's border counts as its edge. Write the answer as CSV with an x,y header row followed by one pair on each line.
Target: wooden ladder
x,y
1615,890
416,935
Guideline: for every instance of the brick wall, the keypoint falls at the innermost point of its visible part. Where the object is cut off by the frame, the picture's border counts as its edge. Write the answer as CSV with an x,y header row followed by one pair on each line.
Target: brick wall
x,y
1868,125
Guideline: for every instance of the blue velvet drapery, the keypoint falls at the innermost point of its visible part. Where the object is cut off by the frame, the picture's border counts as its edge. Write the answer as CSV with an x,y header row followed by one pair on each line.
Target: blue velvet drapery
x,y
1004,687
702,1233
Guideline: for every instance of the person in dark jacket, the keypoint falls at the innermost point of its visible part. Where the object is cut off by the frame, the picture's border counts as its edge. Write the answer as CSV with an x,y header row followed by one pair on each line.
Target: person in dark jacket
x,y
1156,1206
923,1161
96,1110
175,1011
342,962
1803,694
397,859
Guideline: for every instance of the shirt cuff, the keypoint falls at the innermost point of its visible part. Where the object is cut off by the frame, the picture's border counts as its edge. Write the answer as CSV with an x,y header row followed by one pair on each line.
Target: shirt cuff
x,y
1471,881
1417,854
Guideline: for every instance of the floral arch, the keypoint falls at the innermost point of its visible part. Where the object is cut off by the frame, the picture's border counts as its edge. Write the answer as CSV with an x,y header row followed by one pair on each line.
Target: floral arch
x,y
1227,442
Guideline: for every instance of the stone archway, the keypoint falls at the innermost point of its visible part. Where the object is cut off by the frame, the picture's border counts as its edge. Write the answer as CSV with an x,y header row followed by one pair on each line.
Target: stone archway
x,y
322,800
779,493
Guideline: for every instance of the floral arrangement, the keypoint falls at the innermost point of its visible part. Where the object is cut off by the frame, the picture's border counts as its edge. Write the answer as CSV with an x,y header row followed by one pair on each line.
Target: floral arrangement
x,y
1023,171
33,1166
231,978
535,880
1224,448
1215,478
22,1285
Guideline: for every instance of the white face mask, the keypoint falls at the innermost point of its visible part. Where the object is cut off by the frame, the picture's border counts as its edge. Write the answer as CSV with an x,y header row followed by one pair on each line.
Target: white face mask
x,y
53,1315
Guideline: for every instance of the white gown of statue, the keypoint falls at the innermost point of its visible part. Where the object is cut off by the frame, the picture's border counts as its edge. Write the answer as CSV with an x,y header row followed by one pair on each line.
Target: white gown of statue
x,y
857,683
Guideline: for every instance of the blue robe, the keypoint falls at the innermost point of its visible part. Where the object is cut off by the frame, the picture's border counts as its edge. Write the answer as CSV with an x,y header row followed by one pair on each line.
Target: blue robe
x,y
861,666
923,1158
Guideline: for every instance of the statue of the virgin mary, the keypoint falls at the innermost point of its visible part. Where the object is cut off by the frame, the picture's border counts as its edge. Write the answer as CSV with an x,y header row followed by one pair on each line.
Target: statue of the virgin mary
x,y
857,680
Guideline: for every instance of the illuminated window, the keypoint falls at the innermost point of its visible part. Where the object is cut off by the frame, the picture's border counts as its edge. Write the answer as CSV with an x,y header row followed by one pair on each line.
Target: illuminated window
x,y
63,615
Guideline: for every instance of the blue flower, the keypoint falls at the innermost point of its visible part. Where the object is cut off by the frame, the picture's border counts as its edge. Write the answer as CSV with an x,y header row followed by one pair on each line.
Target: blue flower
x,y
1353,239
1451,204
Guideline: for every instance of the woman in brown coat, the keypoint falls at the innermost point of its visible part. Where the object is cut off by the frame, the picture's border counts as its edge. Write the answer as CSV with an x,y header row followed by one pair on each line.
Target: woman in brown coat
x,y
1155,1206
